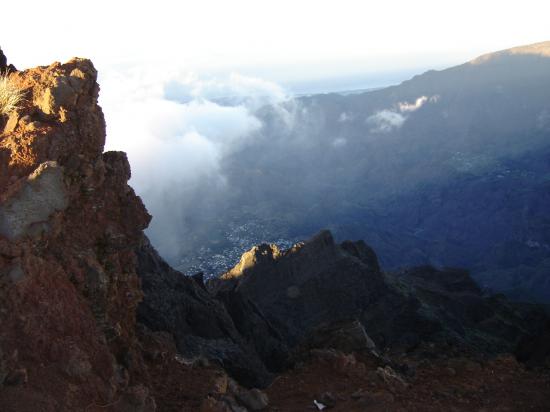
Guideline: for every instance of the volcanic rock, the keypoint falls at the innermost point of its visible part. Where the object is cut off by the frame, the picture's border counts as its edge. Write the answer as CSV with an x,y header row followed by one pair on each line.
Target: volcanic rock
x,y
69,224
318,282
4,66
230,330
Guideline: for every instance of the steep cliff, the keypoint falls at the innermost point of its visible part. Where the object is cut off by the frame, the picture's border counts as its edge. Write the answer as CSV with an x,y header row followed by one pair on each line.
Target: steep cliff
x,y
69,229
68,226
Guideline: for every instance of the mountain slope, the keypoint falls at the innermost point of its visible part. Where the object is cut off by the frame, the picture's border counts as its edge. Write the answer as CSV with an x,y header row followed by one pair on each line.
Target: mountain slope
x,y
448,168
319,282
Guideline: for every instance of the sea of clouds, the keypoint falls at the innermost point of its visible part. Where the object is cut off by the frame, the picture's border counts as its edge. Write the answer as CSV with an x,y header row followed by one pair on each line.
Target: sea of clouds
x,y
176,127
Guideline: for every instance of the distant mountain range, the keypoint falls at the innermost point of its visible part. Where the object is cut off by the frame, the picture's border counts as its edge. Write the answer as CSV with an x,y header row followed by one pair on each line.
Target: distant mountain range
x,y
450,168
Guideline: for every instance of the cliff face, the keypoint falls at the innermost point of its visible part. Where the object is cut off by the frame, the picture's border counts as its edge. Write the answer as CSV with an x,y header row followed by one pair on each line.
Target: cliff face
x,y
69,224
73,259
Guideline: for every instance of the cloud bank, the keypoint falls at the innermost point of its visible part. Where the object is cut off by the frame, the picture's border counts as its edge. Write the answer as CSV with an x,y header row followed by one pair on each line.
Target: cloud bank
x,y
176,129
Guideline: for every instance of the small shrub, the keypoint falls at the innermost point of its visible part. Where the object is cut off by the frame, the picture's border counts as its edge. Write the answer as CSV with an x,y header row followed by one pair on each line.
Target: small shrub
x,y
10,95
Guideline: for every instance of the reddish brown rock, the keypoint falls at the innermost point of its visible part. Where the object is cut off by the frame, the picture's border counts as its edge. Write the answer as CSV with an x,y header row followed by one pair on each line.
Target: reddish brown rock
x,y
68,226
69,229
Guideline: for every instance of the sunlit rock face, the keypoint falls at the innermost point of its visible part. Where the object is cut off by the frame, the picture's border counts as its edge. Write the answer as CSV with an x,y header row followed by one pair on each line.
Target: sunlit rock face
x,y
69,224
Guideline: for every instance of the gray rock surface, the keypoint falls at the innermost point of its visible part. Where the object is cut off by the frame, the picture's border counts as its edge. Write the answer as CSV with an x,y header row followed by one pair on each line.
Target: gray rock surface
x,y
42,194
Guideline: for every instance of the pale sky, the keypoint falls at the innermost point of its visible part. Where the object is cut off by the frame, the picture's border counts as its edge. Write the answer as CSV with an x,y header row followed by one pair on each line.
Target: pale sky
x,y
288,36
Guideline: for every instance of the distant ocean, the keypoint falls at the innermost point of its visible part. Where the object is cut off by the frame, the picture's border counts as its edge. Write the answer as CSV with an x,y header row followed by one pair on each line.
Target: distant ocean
x,y
350,84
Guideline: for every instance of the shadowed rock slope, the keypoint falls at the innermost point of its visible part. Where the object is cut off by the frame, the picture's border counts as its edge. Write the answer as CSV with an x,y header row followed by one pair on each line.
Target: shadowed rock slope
x,y
231,330
319,282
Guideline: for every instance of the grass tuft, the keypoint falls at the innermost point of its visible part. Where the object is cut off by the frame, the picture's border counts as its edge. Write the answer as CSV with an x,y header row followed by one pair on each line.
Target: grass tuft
x,y
10,95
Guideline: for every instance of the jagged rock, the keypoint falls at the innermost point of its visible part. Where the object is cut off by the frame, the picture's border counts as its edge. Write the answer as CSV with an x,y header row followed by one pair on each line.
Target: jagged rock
x,y
69,224
333,284
260,254
338,361
4,66
202,325
78,365
3,61
320,282
490,324
214,405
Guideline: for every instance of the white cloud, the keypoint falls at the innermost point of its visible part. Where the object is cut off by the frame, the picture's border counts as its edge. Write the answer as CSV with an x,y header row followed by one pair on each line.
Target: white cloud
x,y
176,137
344,117
234,89
405,107
387,120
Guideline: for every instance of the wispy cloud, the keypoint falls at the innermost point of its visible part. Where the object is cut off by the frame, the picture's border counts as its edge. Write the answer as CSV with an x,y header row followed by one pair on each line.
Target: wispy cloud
x,y
387,120
344,117
405,107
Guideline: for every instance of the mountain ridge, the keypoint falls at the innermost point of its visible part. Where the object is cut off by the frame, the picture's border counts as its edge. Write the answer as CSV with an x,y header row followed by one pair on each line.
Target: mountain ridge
x,y
537,49
419,170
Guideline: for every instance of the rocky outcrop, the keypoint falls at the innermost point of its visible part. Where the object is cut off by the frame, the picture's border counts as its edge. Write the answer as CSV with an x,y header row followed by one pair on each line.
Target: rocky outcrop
x,y
4,66
229,330
319,282
69,224
73,258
